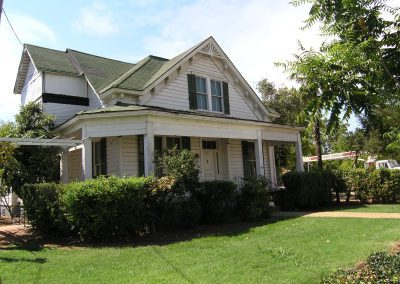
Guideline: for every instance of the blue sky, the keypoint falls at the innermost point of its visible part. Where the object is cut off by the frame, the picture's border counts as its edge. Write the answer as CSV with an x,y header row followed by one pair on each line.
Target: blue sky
x,y
253,33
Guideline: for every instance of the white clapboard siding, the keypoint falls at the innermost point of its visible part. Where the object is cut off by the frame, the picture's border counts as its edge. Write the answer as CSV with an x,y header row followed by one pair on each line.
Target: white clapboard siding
x,y
129,156
235,158
113,155
75,165
62,112
267,166
65,85
32,89
175,94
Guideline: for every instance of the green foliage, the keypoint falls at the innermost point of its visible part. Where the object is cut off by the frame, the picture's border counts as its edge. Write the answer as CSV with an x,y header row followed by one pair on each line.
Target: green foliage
x,y
29,164
380,267
217,200
181,165
185,213
357,70
253,200
106,208
377,186
44,208
307,190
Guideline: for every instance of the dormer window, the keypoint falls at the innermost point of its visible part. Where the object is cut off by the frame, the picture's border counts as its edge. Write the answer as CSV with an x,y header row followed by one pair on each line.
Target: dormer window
x,y
208,94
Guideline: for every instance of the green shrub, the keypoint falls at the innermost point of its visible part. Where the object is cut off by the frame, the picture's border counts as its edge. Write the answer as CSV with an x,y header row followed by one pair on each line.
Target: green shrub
x,y
380,267
217,200
377,186
107,208
253,199
181,165
306,190
43,208
183,214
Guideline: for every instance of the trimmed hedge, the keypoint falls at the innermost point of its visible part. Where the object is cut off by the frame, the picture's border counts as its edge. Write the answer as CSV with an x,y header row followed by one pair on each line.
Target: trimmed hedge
x,y
307,190
217,200
377,186
44,208
107,208
253,199
119,208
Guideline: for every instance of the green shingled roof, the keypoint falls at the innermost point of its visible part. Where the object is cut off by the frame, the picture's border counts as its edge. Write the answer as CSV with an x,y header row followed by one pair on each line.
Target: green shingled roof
x,y
52,61
98,70
104,73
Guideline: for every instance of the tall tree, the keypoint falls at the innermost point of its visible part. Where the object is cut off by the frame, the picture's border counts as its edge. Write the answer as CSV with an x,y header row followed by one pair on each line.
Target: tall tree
x,y
358,69
31,164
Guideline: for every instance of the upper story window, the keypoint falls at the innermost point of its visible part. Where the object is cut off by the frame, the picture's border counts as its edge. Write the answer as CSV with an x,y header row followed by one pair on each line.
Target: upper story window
x,y
208,94
201,93
216,95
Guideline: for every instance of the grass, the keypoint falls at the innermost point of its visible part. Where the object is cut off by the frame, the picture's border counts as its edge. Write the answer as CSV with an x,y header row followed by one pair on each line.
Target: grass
x,y
372,208
300,250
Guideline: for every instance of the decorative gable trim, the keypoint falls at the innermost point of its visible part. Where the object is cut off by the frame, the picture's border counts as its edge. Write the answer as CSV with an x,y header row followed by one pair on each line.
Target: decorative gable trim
x,y
210,50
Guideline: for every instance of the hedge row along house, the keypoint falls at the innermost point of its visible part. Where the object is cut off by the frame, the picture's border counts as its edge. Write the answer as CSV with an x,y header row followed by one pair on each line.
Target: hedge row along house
x,y
126,113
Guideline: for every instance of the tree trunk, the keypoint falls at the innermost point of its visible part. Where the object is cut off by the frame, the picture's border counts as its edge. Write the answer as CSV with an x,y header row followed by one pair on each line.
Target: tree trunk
x,y
317,137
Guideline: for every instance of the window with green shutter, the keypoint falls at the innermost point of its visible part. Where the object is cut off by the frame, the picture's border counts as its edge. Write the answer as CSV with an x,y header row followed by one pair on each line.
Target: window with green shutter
x,y
208,94
99,161
249,159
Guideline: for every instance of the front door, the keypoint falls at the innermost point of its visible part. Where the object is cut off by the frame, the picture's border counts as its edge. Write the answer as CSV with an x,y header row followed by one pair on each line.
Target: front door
x,y
208,165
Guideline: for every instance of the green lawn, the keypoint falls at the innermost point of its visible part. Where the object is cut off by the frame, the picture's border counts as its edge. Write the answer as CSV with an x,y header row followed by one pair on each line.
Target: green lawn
x,y
373,208
300,250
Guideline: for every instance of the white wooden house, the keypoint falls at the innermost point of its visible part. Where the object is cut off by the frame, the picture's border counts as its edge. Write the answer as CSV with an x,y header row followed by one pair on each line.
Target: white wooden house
x,y
126,113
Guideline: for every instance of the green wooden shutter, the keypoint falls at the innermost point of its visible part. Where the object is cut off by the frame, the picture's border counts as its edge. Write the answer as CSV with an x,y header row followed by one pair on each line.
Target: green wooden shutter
x,y
245,155
141,154
186,142
103,156
225,90
192,91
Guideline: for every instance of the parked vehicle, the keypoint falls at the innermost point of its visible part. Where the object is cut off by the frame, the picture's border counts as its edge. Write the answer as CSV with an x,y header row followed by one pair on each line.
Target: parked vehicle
x,y
387,164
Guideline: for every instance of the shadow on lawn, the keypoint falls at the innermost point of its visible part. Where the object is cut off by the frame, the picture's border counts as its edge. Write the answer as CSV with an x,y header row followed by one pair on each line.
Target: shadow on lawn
x,y
38,260
33,242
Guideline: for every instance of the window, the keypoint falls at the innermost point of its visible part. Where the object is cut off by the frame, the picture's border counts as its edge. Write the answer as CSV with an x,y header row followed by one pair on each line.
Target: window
x,y
201,93
209,145
208,94
249,159
99,158
216,95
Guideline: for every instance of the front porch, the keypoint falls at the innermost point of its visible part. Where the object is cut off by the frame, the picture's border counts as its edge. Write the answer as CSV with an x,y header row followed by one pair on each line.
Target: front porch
x,y
129,145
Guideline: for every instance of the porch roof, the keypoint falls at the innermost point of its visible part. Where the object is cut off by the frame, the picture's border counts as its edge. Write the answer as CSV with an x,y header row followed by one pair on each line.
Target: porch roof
x,y
121,108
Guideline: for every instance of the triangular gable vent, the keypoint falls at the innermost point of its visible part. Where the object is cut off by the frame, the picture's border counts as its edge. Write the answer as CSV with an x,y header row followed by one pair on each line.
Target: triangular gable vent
x,y
210,49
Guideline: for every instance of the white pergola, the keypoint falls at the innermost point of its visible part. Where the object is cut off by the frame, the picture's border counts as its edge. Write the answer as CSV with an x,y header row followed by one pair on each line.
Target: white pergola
x,y
53,142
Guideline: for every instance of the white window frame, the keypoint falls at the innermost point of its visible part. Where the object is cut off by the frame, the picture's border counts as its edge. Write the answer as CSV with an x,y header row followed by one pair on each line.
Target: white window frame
x,y
220,97
206,93
209,94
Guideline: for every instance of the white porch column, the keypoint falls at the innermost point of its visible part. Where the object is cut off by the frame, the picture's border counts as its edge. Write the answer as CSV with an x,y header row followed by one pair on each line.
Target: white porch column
x,y
87,159
272,165
299,155
259,155
64,166
148,141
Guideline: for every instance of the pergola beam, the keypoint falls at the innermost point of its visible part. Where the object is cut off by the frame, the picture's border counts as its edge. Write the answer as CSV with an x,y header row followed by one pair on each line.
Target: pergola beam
x,y
42,142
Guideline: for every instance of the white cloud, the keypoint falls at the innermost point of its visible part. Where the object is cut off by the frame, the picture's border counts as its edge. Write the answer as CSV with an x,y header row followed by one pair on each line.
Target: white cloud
x,y
29,30
97,20
254,33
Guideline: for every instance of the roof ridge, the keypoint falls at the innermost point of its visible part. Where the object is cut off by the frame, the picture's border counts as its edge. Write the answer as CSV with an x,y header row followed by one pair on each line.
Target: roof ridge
x,y
103,57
